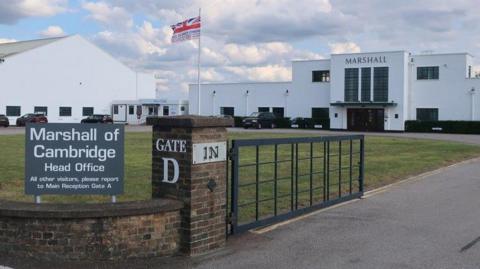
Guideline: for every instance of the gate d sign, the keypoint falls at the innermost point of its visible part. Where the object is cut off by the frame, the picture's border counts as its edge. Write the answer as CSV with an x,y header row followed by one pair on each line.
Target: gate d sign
x,y
172,146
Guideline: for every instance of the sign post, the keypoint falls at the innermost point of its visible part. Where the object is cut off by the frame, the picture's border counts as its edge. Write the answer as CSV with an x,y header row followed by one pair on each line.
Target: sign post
x,y
69,158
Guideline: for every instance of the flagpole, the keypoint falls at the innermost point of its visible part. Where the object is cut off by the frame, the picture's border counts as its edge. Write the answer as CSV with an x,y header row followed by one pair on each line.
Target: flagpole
x,y
198,61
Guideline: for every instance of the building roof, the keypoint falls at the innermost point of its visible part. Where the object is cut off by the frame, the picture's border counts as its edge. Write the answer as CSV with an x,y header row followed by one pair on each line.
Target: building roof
x,y
12,48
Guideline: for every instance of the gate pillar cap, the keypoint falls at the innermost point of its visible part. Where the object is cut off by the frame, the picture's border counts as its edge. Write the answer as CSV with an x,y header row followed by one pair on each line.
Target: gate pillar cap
x,y
190,121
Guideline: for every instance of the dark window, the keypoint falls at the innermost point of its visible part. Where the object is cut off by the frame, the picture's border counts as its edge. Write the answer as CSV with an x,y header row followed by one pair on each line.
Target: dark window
x,y
366,83
396,116
41,109
351,84
182,108
427,72
336,115
263,109
87,111
65,111
131,110
230,111
427,114
13,111
166,111
320,112
115,109
380,84
321,76
278,112
139,110
469,71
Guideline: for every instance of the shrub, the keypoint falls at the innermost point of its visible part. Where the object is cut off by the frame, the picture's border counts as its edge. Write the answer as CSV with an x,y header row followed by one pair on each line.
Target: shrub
x,y
453,127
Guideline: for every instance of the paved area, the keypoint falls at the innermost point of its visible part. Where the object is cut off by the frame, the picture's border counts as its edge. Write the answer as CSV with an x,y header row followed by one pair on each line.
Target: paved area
x,y
432,222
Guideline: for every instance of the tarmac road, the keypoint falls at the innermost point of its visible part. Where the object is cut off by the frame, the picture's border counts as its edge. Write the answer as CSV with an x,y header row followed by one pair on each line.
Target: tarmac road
x,y
430,222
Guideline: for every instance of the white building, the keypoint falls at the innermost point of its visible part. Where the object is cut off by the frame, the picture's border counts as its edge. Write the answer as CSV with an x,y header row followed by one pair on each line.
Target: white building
x,y
137,111
361,91
67,78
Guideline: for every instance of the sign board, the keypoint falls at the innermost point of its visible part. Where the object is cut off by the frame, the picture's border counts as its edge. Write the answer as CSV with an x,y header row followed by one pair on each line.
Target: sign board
x,y
71,158
209,152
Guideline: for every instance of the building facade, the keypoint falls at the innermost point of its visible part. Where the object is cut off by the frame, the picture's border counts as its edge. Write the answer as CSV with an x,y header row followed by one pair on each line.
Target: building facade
x,y
66,78
360,91
137,111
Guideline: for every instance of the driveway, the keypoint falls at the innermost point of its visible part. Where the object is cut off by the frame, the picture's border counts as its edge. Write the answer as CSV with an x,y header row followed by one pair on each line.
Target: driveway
x,y
429,222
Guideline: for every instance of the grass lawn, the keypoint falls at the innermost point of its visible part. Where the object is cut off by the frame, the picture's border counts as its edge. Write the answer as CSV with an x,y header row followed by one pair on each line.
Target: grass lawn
x,y
387,160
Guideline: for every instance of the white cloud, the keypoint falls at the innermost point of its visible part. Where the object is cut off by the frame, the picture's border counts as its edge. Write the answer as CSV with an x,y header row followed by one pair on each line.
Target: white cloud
x,y
347,47
12,11
7,40
111,16
53,31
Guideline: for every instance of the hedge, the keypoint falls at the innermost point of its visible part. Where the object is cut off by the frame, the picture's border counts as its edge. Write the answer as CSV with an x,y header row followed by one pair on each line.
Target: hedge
x,y
453,127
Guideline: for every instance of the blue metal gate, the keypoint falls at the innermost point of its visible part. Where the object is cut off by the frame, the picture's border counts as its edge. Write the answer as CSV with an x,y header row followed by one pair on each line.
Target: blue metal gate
x,y
276,179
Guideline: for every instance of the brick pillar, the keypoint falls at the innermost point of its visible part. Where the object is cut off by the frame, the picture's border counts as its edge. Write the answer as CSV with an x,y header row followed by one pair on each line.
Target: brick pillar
x,y
201,183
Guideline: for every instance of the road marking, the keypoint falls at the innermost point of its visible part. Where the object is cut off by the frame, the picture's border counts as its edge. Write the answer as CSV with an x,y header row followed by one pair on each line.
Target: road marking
x,y
367,194
471,244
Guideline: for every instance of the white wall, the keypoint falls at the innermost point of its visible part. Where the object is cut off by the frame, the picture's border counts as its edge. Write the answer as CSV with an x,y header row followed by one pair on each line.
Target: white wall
x,y
69,72
235,95
450,93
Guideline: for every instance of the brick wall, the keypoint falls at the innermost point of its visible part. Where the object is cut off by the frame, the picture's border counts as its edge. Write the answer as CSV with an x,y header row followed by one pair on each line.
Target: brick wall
x,y
203,226
99,236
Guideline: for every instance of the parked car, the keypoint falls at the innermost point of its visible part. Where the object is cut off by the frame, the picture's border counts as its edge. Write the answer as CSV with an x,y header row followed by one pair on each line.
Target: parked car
x,y
259,120
98,118
31,117
299,123
4,121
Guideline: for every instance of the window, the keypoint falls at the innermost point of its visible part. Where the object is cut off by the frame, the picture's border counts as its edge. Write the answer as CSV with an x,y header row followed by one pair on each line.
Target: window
x,y
427,72
115,109
278,112
131,110
263,109
469,71
139,110
41,109
380,84
351,84
65,111
320,112
182,108
230,111
87,111
427,114
321,76
166,111
13,111
366,84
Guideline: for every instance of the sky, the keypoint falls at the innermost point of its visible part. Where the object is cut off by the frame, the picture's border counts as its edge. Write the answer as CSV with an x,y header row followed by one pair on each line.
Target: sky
x,y
245,40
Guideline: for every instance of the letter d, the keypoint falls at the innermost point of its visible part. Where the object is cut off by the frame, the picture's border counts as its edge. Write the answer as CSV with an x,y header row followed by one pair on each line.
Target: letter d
x,y
165,170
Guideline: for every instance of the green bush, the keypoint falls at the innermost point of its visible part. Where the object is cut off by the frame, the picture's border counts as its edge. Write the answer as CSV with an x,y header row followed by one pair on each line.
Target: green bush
x,y
282,122
453,127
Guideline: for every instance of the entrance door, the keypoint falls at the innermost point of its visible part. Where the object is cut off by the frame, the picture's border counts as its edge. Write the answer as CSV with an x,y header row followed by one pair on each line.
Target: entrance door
x,y
366,119
120,113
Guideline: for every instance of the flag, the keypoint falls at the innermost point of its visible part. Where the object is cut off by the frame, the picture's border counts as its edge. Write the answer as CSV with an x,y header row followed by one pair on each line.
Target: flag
x,y
186,30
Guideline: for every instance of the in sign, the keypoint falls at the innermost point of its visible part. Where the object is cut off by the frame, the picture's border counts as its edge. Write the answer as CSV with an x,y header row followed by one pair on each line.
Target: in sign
x,y
209,152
